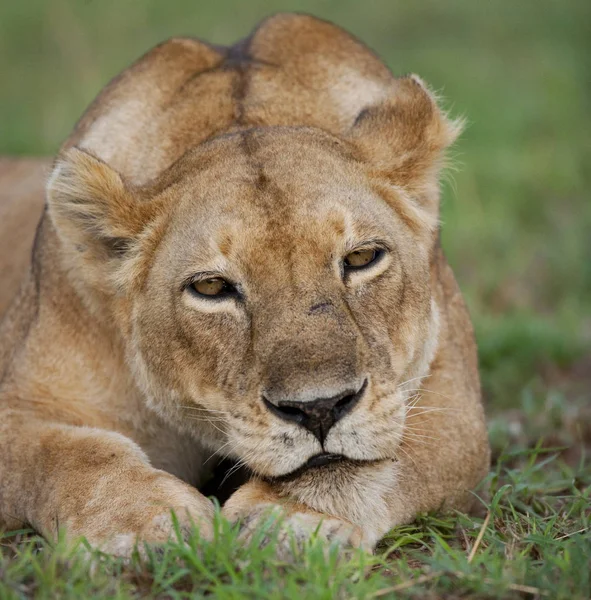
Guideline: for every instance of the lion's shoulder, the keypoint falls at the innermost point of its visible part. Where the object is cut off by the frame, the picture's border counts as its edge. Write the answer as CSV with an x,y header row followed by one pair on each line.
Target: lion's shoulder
x,y
22,182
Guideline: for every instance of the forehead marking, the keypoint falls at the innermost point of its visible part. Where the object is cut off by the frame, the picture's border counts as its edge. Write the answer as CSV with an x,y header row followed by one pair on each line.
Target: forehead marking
x,y
266,194
320,307
225,245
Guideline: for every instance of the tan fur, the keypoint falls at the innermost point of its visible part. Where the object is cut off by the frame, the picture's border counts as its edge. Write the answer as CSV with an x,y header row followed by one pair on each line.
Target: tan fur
x,y
265,163
22,182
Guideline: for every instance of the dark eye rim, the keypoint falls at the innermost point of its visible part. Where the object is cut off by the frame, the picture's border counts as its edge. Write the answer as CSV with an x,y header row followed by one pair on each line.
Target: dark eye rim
x,y
379,253
230,290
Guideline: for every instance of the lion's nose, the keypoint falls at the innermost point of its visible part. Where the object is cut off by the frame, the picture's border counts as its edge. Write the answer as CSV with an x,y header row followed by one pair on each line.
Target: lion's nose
x,y
317,415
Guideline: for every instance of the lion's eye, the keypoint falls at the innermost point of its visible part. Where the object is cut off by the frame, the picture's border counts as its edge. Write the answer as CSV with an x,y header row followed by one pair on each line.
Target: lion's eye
x,y
213,286
359,259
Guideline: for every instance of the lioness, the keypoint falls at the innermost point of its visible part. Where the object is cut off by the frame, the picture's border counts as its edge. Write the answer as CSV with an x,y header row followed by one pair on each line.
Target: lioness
x,y
238,256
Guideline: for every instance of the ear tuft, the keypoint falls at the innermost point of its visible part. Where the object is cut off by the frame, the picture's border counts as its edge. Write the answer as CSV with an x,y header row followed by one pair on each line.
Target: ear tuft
x,y
451,129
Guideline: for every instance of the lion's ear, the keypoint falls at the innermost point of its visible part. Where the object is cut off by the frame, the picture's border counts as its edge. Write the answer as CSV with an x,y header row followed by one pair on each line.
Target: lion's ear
x,y
92,208
403,138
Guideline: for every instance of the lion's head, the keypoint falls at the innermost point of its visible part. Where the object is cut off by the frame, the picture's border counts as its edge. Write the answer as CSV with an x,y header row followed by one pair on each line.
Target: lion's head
x,y
267,261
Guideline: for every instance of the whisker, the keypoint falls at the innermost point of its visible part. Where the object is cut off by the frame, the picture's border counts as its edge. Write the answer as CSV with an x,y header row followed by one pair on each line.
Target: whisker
x,y
204,418
420,406
230,472
209,410
431,392
224,433
210,422
242,461
412,401
414,379
409,456
419,436
425,411
219,450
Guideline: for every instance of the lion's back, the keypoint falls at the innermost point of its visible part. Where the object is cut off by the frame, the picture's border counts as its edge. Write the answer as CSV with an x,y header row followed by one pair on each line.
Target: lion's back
x,y
294,70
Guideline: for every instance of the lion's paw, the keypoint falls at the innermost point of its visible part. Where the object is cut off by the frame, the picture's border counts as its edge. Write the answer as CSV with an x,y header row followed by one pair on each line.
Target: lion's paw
x,y
292,531
150,520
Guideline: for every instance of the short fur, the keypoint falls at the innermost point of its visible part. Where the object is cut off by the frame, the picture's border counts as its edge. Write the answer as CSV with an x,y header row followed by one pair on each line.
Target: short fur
x,y
265,163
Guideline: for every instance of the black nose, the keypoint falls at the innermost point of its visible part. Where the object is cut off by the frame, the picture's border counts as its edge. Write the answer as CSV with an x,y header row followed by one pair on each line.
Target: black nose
x,y
319,415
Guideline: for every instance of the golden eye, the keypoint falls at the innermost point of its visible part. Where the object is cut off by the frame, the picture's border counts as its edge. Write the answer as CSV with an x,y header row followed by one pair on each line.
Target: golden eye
x,y
360,258
213,286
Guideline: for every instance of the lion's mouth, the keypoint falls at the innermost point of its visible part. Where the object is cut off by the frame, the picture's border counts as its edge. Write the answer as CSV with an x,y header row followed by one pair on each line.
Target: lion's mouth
x,y
320,460
325,460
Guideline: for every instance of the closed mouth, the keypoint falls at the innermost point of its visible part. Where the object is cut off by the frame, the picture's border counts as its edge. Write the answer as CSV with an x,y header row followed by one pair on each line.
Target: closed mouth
x,y
322,461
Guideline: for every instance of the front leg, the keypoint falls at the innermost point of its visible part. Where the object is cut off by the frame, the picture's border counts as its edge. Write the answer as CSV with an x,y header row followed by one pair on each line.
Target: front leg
x,y
92,483
257,501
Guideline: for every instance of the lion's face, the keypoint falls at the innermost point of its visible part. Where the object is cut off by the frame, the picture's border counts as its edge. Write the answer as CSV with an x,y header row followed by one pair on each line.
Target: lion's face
x,y
284,304
272,287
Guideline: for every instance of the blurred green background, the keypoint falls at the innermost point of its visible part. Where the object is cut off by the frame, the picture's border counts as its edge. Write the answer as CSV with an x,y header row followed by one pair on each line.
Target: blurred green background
x,y
517,213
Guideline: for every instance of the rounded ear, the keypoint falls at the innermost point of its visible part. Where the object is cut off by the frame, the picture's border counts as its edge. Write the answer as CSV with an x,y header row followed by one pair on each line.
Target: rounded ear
x,y
91,207
99,219
403,139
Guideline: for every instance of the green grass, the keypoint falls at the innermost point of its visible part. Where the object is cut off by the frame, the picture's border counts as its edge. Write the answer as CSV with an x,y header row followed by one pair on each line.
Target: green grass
x,y
533,541
517,230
